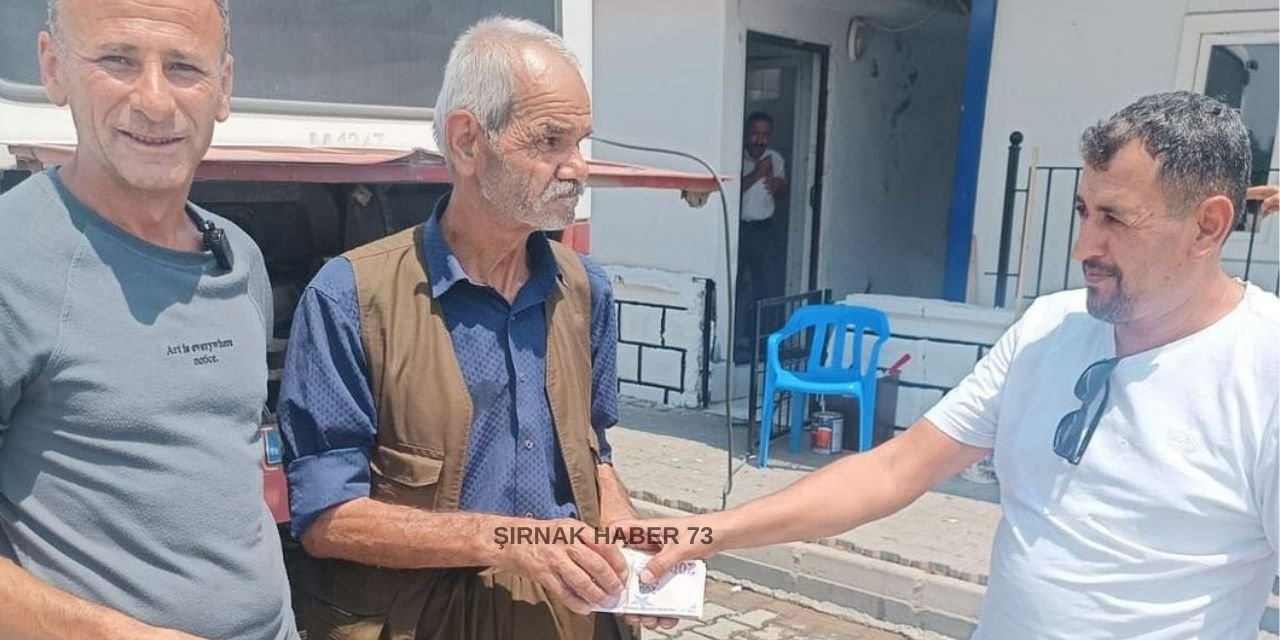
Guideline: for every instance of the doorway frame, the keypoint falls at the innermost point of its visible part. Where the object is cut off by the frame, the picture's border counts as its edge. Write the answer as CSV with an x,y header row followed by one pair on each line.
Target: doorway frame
x,y
813,213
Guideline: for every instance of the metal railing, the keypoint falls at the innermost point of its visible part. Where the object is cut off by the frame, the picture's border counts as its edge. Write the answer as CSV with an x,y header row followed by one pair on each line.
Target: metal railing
x,y
1249,222
770,315
1047,222
980,350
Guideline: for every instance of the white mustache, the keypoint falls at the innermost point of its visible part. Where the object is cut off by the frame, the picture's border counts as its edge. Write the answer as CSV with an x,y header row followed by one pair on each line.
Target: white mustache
x,y
562,189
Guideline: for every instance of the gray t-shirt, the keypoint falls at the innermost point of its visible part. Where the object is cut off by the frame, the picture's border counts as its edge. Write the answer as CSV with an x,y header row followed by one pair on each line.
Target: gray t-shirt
x,y
132,380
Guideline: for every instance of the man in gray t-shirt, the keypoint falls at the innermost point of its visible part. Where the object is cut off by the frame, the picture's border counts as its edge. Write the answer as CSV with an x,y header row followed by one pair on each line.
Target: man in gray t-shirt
x,y
132,354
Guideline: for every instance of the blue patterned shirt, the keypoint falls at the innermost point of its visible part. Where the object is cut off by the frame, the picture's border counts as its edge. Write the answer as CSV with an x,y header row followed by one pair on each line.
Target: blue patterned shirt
x,y
513,464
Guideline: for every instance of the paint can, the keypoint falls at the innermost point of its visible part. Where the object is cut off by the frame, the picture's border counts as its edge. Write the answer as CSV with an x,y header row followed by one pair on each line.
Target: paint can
x,y
828,432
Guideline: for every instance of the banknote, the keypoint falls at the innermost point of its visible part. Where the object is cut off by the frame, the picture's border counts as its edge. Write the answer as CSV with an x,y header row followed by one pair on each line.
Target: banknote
x,y
679,594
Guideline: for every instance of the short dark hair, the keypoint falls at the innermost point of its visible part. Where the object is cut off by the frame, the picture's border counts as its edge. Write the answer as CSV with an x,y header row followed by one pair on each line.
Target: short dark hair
x,y
1201,145
756,116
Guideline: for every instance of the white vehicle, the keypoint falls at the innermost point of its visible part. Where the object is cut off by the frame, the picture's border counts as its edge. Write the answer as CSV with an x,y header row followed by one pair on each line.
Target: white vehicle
x,y
309,73
329,145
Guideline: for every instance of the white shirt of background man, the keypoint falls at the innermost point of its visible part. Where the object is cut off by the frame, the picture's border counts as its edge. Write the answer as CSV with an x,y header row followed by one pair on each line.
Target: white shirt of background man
x,y
757,202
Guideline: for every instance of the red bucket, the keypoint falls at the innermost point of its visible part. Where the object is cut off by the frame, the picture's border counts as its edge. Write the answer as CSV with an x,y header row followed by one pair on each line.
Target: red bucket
x,y
820,439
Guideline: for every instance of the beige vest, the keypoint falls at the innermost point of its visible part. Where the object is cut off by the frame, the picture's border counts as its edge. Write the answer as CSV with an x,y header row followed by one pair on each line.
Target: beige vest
x,y
424,420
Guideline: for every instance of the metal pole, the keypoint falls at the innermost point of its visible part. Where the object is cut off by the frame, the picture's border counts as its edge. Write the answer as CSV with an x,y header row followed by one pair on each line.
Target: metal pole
x,y
708,328
1006,220
1253,233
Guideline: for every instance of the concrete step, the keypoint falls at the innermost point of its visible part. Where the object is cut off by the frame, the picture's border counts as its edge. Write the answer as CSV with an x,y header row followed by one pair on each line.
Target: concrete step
x,y
874,592
884,594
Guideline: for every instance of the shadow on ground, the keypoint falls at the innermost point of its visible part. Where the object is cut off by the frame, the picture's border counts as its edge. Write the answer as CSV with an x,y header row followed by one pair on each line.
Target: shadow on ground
x,y
709,429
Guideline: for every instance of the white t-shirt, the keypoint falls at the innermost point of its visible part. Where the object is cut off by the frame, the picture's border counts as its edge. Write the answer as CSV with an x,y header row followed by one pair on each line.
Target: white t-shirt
x,y
1168,527
757,202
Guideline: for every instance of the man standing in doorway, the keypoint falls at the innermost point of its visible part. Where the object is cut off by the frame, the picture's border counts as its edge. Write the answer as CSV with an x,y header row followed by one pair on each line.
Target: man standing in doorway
x,y
763,181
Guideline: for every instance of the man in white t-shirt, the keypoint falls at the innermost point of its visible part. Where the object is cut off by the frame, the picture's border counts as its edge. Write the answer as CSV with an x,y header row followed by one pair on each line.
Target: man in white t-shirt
x,y
760,240
1134,422
763,170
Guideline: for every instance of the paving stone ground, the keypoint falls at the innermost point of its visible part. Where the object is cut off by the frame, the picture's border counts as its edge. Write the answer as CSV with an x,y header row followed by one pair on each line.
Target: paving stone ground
x,y
740,614
676,458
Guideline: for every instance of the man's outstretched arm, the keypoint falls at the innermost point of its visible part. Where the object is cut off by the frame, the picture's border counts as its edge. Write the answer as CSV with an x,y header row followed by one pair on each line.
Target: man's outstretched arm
x,y
839,497
859,489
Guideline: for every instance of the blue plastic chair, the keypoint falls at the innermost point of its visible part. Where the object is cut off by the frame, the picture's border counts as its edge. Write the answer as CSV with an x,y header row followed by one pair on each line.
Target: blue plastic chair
x,y
825,373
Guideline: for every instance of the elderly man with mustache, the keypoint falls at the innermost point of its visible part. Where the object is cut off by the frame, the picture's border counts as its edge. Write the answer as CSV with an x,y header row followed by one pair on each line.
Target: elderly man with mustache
x,y
456,380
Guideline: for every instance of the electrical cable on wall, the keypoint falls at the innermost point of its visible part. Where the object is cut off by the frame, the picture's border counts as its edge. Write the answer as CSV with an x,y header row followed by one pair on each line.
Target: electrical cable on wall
x,y
913,25
730,292
927,17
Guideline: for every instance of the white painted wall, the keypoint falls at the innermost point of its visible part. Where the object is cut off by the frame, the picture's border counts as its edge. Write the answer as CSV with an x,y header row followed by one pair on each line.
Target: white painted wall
x,y
670,74
659,82
682,330
659,67
926,329
891,130
1058,67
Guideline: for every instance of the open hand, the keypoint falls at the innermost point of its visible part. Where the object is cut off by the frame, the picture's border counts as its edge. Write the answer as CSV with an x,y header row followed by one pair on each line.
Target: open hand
x,y
764,168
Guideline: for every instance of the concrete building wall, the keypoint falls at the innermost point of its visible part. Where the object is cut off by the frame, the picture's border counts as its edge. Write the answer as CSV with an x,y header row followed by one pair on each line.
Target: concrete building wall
x,y
658,82
671,74
944,339
660,350
891,132
1056,68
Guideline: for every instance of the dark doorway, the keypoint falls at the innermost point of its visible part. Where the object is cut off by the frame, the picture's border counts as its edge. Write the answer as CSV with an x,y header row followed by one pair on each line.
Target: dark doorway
x,y
783,130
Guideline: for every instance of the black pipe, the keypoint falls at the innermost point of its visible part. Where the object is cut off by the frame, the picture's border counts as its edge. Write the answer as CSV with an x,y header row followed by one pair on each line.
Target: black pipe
x,y
1006,220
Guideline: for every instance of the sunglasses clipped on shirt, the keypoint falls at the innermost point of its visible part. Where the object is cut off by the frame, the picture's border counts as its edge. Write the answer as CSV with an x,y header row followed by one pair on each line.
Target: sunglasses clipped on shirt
x,y
1075,429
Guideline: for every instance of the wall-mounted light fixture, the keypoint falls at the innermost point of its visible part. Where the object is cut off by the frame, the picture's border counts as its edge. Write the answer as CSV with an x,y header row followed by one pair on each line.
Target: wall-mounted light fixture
x,y
856,40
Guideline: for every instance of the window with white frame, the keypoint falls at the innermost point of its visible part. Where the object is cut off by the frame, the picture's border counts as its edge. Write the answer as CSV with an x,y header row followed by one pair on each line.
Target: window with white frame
x,y
365,53
1235,57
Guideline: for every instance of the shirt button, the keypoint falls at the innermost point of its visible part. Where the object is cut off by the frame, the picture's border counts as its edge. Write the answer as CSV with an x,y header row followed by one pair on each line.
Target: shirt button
x,y
528,514
522,377
528,443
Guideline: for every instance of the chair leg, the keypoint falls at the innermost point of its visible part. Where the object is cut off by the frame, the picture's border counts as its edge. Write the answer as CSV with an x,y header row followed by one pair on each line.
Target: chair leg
x,y
766,428
799,405
866,420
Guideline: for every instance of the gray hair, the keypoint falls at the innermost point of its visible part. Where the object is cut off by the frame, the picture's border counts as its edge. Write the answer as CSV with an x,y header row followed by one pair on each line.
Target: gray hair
x,y
480,75
1201,145
55,24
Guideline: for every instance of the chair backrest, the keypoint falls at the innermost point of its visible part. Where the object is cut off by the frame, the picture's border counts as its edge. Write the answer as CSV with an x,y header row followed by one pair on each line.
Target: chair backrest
x,y
832,324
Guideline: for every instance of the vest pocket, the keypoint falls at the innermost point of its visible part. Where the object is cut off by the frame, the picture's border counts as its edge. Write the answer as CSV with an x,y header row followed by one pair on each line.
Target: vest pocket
x,y
406,476
329,622
345,600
